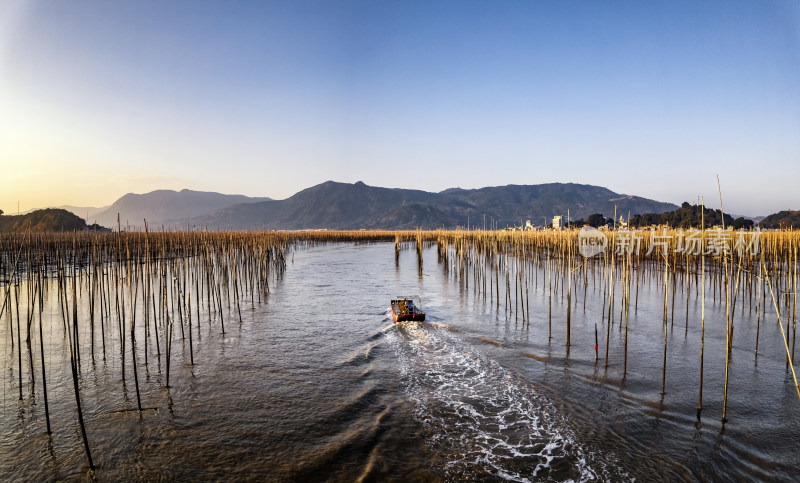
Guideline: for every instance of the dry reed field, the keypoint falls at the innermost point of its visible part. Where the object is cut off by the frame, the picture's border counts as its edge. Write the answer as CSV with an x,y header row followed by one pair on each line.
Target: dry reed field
x,y
753,271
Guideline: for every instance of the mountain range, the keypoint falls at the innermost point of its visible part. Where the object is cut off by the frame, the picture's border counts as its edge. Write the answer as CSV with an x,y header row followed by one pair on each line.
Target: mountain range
x,y
333,205
160,207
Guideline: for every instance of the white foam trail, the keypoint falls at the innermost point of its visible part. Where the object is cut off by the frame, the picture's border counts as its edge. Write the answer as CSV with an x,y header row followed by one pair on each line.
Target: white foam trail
x,y
484,419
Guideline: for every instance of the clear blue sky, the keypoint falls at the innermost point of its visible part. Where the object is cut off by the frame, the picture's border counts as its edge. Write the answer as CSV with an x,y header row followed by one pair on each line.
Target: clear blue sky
x,y
98,99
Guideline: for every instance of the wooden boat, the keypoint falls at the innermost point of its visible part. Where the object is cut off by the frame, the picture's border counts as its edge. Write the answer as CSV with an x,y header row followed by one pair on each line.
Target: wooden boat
x,y
404,309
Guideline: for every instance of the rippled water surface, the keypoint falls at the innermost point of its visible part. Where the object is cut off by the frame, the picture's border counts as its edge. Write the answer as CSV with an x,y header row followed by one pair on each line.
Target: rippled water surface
x,y
317,383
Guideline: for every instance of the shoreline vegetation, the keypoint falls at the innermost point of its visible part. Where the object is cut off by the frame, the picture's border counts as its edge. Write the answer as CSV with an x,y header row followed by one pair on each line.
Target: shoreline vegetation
x,y
153,287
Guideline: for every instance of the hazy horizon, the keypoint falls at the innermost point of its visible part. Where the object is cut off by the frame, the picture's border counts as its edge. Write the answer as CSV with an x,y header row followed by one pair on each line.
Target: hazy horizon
x,y
268,98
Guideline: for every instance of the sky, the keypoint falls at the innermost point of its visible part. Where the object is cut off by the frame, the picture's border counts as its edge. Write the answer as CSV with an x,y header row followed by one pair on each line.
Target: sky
x,y
655,99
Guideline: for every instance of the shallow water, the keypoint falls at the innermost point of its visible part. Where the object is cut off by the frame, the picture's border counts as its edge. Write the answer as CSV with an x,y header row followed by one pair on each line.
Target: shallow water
x,y
318,384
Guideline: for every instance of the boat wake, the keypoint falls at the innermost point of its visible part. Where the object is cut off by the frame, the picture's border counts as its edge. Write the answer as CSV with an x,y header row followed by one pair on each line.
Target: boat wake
x,y
485,421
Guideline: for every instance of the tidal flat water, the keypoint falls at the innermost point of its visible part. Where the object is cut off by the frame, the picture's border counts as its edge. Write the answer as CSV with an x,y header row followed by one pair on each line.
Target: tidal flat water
x,y
317,384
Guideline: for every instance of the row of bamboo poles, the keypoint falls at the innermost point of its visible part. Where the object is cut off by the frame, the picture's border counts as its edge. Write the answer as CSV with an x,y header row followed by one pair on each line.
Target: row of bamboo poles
x,y
138,289
754,272
129,295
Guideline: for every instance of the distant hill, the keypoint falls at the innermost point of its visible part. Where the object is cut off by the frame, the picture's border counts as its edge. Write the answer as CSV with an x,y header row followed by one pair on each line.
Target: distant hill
x,y
782,219
166,207
513,204
49,219
353,206
690,216
85,212
82,211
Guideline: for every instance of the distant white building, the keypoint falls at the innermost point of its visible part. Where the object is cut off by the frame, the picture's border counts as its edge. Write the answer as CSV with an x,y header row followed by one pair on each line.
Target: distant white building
x,y
557,222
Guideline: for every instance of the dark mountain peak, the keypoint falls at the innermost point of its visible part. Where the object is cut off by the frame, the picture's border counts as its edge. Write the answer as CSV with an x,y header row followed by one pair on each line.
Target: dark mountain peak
x,y
351,206
324,187
166,206
355,189
451,191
